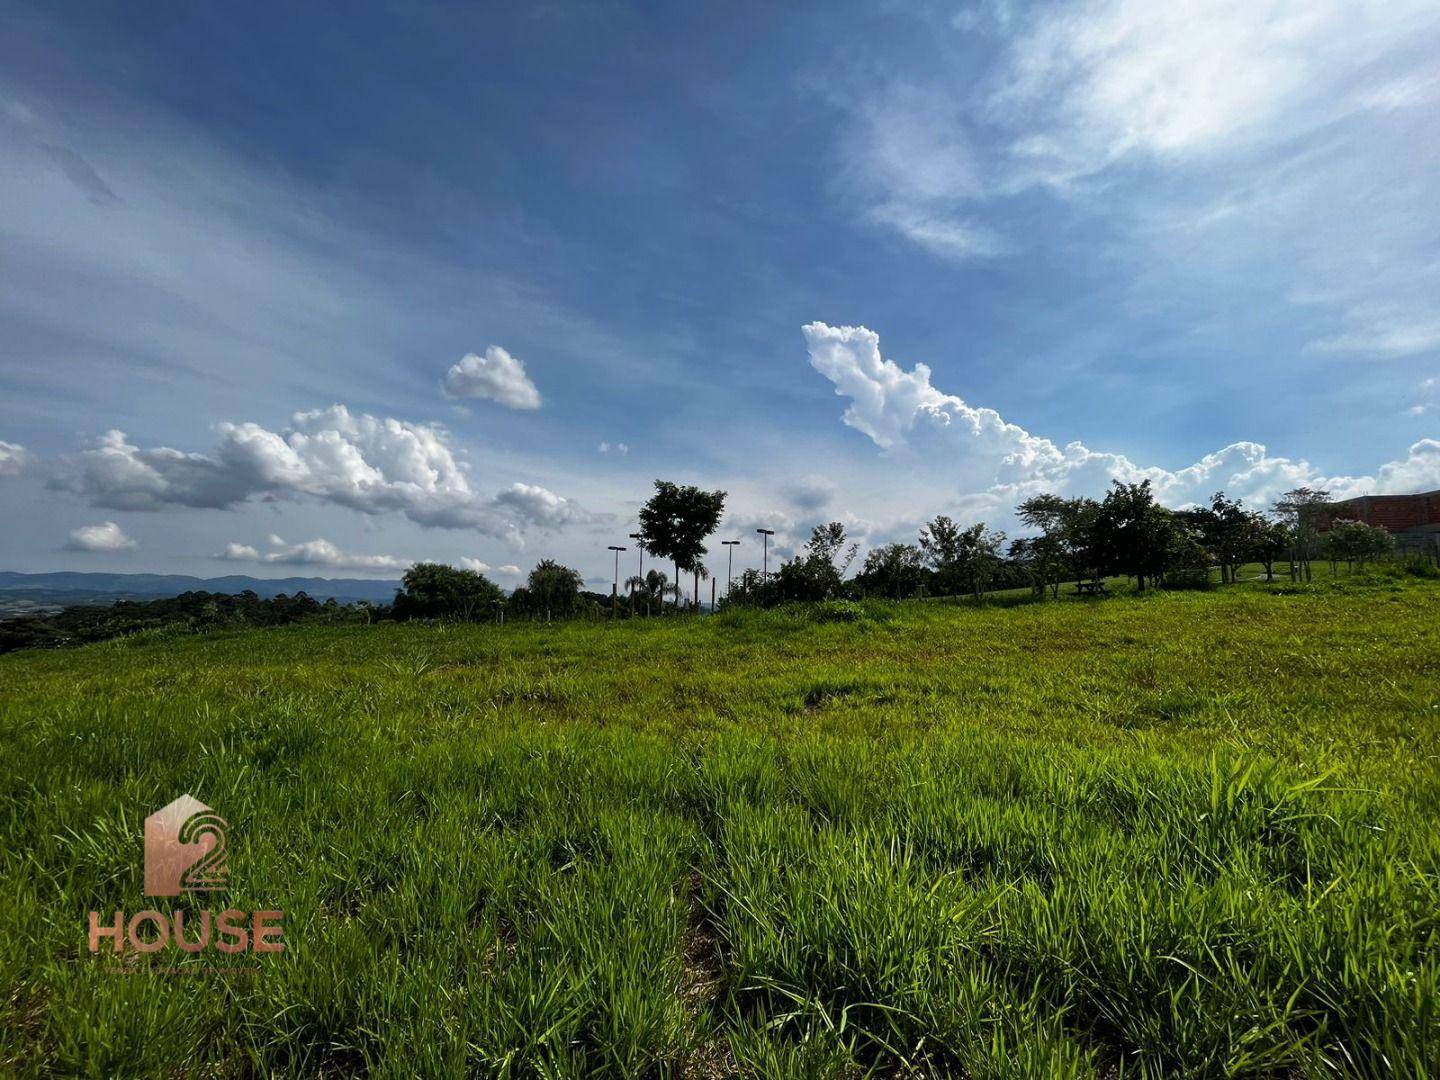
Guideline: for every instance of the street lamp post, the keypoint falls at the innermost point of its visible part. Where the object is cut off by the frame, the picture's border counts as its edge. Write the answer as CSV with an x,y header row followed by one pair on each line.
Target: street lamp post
x,y
730,565
615,589
766,534
639,539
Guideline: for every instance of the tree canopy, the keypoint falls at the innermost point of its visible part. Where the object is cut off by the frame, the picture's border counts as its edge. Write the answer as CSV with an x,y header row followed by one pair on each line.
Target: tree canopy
x,y
675,522
436,591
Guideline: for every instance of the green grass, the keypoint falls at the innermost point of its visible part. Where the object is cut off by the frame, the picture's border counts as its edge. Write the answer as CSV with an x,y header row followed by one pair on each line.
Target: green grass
x,y
1182,835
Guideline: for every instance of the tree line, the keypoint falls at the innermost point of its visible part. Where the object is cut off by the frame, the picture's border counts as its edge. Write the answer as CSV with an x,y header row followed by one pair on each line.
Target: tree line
x,y
80,624
1127,533
1081,540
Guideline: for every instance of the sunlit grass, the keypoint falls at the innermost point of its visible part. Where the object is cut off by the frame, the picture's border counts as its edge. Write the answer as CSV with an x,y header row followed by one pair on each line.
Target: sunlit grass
x,y
1189,834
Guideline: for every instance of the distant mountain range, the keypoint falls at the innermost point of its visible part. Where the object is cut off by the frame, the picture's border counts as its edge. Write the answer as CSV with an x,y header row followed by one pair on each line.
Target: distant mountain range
x,y
66,587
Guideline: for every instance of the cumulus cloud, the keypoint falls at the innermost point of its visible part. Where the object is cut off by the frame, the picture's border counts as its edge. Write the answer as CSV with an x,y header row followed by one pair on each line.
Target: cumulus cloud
x,y
317,552
366,463
478,565
894,406
614,448
13,457
538,506
106,536
509,569
496,376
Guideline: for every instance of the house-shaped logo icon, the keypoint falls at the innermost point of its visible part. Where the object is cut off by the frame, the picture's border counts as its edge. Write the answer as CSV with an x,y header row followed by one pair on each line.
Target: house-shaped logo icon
x,y
184,849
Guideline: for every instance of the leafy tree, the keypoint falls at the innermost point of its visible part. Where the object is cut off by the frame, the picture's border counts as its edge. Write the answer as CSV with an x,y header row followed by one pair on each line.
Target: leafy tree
x,y
1135,535
817,573
1228,531
1068,527
1302,509
1022,555
554,588
893,570
1186,560
675,523
1047,556
961,557
827,544
520,601
940,548
753,589
1354,541
1272,540
436,591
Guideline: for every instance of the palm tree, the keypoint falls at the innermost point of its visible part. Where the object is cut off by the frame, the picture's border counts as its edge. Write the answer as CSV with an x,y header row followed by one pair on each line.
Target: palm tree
x,y
700,571
655,585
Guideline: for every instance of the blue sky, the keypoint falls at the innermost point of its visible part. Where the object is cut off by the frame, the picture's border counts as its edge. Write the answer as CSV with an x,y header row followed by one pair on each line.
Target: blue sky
x,y
343,287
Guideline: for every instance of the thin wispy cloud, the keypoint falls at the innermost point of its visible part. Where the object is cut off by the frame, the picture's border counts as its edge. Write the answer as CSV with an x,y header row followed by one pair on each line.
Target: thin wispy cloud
x,y
1137,114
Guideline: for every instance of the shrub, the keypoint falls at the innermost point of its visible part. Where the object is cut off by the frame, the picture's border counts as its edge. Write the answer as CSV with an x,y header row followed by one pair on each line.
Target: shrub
x,y
847,611
1419,566
1188,579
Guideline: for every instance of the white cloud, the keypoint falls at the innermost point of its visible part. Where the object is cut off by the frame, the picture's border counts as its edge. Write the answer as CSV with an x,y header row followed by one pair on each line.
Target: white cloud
x,y
895,407
1192,76
497,376
318,552
1258,127
539,506
366,463
481,567
614,448
107,536
13,457
1428,395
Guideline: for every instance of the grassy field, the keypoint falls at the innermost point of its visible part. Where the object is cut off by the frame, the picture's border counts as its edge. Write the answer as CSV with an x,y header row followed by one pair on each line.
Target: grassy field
x,y
1190,834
